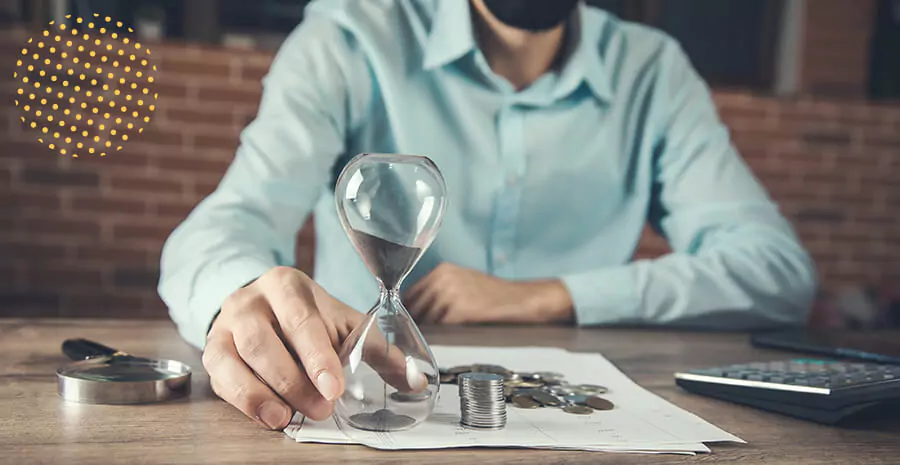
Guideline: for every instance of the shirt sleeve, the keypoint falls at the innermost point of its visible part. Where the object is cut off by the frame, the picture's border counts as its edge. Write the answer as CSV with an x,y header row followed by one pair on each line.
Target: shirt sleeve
x,y
736,261
311,96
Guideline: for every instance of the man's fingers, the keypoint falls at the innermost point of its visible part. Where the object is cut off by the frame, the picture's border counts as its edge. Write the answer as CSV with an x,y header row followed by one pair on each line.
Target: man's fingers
x,y
233,381
391,364
432,311
294,305
412,300
264,352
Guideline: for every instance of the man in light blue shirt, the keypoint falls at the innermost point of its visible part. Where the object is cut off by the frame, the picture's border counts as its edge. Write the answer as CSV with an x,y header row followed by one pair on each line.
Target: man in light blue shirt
x,y
561,131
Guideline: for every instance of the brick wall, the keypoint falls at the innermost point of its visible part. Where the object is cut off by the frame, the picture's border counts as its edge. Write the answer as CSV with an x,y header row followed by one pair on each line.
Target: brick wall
x,y
835,47
83,237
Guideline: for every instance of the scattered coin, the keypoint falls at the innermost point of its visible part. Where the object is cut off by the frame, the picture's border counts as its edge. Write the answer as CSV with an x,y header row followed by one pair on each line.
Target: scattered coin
x,y
531,390
578,410
561,391
411,396
596,389
599,403
460,369
549,377
512,377
545,398
524,401
525,384
576,399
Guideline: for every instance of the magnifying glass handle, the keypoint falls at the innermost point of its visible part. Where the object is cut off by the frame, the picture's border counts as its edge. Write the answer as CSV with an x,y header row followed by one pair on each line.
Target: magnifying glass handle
x,y
81,349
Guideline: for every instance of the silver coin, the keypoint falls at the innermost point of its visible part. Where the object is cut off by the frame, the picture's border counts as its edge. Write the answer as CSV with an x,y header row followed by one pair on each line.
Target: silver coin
x,y
593,388
578,410
482,398
512,377
576,399
545,398
481,377
550,377
411,396
494,369
460,369
382,420
560,391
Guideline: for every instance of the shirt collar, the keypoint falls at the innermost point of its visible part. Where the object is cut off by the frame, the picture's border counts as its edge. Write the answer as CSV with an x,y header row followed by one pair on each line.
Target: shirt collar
x,y
584,63
452,36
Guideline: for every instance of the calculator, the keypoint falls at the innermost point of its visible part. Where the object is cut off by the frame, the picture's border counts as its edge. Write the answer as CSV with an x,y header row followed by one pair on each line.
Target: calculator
x,y
823,391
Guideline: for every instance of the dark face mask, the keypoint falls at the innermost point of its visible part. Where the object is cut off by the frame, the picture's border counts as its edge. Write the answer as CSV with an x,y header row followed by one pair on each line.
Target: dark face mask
x,y
531,15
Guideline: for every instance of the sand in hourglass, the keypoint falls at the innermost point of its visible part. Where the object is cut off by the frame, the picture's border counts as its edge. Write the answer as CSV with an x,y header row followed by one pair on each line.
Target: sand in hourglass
x,y
389,259
390,262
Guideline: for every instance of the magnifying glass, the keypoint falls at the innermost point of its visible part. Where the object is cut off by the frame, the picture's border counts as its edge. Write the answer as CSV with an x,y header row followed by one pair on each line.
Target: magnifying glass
x,y
103,375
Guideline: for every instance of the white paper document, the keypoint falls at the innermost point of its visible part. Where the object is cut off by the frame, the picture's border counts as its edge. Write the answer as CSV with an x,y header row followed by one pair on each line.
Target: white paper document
x,y
640,421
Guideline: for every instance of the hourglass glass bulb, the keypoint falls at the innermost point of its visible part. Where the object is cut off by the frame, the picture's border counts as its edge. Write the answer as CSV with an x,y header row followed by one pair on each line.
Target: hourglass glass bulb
x,y
391,207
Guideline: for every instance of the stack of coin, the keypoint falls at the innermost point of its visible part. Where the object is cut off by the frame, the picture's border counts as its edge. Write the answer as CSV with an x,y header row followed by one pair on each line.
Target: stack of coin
x,y
481,400
543,389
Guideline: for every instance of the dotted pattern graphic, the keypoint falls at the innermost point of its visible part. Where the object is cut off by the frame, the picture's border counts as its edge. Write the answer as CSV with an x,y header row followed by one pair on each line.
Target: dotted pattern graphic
x,y
85,89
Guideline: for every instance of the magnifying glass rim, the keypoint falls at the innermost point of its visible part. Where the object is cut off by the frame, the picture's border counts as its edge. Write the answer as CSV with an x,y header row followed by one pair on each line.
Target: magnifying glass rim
x,y
96,391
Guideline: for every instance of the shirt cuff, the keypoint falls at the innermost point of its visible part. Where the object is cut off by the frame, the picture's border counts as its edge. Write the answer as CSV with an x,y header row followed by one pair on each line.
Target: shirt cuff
x,y
215,286
604,296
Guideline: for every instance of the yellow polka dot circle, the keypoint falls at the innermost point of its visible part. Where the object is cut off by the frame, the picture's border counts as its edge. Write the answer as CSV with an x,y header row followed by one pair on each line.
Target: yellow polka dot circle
x,y
84,88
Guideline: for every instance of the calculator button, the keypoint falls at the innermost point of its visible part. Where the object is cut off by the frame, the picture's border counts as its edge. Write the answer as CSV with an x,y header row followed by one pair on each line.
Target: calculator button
x,y
777,379
801,382
756,377
888,376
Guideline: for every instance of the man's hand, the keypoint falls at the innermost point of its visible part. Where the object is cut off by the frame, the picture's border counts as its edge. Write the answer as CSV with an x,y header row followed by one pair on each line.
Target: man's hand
x,y
451,294
273,349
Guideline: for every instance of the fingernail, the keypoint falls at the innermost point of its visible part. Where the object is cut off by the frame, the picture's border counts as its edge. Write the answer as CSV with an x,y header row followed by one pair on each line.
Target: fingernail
x,y
274,414
328,386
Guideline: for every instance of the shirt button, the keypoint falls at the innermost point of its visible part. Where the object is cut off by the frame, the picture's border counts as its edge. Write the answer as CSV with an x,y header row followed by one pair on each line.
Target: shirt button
x,y
500,258
511,181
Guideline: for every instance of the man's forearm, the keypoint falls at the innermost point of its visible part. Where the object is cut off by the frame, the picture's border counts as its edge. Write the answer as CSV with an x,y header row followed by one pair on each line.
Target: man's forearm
x,y
752,276
549,300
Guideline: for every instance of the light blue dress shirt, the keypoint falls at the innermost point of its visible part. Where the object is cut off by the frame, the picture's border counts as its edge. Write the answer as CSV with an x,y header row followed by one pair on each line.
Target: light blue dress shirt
x,y
554,181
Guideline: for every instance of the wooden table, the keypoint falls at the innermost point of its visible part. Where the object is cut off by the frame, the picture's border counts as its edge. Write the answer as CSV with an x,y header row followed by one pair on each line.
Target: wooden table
x,y
36,427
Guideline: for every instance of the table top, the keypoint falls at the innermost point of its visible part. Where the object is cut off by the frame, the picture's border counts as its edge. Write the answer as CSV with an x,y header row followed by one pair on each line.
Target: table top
x,y
37,427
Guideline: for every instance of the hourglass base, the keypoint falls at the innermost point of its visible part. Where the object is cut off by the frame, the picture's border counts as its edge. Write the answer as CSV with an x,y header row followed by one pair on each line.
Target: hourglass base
x,y
381,421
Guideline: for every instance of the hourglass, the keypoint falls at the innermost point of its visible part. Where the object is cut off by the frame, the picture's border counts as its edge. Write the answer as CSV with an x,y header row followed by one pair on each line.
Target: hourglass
x,y
391,207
